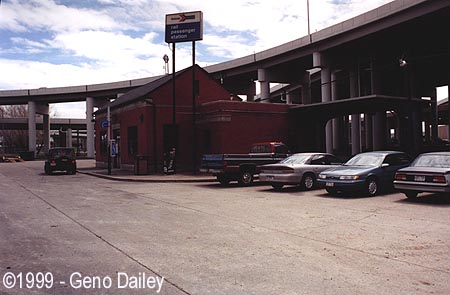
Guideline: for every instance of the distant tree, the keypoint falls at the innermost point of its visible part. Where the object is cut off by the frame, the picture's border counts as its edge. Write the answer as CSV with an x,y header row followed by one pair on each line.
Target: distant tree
x,y
14,140
17,140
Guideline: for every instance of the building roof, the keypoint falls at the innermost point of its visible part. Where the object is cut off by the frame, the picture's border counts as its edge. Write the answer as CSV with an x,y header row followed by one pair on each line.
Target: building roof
x,y
144,90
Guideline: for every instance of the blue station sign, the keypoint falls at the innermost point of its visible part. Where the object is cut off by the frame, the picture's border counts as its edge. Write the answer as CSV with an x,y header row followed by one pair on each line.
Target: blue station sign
x,y
184,26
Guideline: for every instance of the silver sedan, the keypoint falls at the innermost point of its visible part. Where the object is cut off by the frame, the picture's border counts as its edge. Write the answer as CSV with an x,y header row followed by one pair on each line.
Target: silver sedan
x,y
298,169
430,172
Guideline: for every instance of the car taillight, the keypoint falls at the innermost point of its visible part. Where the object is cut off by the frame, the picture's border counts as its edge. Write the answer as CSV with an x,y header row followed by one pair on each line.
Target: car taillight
x,y
439,179
73,162
400,176
53,162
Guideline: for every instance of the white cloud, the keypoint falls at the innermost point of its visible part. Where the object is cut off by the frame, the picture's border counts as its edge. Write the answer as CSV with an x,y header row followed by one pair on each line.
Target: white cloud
x,y
123,39
46,15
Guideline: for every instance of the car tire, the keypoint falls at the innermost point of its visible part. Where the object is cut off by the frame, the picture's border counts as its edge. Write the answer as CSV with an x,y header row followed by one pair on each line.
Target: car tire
x,y
411,195
223,180
309,181
245,177
371,187
277,186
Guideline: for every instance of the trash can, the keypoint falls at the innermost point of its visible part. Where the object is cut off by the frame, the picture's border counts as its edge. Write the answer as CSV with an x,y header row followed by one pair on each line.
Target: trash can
x,y
169,161
141,165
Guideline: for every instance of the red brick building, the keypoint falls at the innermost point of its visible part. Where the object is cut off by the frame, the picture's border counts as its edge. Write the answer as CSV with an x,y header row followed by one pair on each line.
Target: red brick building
x,y
141,123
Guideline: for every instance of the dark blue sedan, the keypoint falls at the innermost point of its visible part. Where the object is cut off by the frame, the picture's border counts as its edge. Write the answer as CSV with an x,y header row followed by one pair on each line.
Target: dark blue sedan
x,y
366,173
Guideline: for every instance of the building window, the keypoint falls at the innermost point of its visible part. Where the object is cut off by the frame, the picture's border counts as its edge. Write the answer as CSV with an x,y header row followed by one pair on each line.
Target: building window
x,y
132,141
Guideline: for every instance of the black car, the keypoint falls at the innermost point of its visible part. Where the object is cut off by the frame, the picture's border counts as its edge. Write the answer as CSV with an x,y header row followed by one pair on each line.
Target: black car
x,y
61,159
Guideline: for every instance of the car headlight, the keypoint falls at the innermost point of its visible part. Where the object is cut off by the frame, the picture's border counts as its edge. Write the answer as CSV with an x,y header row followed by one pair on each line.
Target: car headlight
x,y
349,177
322,176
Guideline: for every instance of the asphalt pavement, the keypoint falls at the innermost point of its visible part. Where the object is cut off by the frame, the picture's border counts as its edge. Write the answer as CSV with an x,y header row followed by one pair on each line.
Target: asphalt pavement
x,y
204,238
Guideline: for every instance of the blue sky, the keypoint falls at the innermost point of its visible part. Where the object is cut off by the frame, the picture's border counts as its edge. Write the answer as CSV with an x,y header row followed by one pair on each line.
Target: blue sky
x,y
53,43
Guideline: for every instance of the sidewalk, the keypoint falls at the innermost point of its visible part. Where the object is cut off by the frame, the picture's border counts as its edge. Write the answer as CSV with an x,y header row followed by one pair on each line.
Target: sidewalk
x,y
88,167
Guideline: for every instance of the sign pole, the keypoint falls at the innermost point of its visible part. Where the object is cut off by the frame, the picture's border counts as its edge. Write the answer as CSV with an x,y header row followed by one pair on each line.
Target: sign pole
x,y
109,138
194,131
174,133
174,120
184,27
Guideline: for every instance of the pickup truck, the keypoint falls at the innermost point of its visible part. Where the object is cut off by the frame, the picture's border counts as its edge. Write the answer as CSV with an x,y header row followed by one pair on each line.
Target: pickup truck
x,y
243,167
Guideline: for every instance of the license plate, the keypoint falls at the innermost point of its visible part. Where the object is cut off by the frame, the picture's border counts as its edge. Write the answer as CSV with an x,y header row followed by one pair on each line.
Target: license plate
x,y
329,184
419,178
270,177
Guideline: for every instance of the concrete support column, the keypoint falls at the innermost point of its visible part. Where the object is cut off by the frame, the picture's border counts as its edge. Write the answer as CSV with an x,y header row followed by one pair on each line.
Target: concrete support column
x,y
32,126
336,121
379,121
306,88
44,109
379,131
368,131
69,137
250,97
325,75
288,98
264,85
356,118
434,116
90,141
46,128
448,123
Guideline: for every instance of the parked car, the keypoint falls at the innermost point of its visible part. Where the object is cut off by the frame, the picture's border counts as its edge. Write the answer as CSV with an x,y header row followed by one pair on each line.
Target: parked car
x,y
243,167
60,159
367,173
429,172
298,169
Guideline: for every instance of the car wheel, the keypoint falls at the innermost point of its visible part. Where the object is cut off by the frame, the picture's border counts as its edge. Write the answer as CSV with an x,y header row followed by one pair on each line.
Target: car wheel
x,y
223,180
277,186
245,178
308,181
371,187
411,195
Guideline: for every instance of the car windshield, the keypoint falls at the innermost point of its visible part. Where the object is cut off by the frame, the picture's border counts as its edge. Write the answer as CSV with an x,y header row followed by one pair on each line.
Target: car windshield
x,y
61,153
365,160
296,159
442,161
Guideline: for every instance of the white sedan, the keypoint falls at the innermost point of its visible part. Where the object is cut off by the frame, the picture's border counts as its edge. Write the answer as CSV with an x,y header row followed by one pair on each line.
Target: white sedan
x,y
430,172
298,169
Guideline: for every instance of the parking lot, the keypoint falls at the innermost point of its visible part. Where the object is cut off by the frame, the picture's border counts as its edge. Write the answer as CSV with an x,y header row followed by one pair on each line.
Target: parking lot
x,y
203,238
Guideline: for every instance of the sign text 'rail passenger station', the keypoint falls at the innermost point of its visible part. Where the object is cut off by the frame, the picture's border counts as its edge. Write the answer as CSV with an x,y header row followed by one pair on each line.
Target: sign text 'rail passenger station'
x,y
183,27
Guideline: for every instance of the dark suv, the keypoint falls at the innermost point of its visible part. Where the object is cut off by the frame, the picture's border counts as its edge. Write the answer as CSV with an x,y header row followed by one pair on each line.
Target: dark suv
x,y
61,159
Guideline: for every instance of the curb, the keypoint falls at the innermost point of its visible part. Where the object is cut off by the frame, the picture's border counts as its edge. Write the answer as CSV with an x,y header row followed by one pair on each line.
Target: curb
x,y
129,179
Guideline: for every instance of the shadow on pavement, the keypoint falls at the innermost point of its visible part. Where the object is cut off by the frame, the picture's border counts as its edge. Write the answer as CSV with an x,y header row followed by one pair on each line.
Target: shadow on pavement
x,y
441,200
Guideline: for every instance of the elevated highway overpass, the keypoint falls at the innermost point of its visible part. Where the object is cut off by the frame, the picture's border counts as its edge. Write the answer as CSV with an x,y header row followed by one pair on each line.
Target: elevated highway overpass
x,y
400,49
